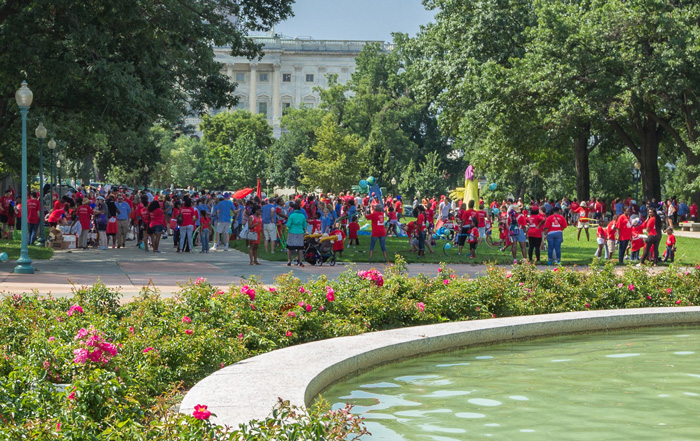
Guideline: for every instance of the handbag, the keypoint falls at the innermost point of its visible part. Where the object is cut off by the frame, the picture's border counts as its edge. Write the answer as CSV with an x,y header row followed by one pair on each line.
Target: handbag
x,y
252,236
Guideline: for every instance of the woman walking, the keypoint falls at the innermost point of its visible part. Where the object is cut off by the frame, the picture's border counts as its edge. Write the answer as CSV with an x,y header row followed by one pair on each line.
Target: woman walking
x,y
554,226
156,225
296,224
254,226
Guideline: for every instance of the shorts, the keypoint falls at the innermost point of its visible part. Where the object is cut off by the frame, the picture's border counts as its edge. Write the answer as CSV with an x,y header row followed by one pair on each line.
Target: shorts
x,y
3,218
157,229
600,241
574,217
394,222
611,246
582,224
472,246
270,231
482,232
520,237
222,227
382,243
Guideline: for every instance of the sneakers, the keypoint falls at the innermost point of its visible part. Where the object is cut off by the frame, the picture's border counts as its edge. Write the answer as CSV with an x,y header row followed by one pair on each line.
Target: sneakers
x,y
213,248
515,261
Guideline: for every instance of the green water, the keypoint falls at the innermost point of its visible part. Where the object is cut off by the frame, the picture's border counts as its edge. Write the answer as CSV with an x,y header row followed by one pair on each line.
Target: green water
x,y
642,384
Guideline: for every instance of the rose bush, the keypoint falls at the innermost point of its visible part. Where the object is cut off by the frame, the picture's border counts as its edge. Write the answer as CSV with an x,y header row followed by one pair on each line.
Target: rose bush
x,y
89,367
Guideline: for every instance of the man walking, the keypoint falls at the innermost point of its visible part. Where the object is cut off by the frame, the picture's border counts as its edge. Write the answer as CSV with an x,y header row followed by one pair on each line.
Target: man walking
x,y
123,212
222,212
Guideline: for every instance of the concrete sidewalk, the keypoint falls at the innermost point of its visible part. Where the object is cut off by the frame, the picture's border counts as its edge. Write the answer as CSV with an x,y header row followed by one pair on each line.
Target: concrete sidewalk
x,y
130,269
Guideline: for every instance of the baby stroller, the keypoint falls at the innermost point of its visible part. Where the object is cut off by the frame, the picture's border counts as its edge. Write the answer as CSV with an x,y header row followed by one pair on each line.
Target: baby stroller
x,y
319,249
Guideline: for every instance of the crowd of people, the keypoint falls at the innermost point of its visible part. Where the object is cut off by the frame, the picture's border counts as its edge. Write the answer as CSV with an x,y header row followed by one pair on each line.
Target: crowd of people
x,y
104,217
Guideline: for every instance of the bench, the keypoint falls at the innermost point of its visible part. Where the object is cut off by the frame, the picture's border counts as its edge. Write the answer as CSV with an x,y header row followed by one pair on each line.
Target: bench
x,y
690,226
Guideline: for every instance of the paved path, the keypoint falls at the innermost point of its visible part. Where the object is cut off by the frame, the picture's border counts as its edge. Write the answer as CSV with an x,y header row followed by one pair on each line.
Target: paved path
x,y
129,269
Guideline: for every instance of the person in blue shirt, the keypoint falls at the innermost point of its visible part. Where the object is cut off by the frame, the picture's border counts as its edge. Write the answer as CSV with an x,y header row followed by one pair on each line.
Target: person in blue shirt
x,y
683,210
222,210
123,212
269,220
619,207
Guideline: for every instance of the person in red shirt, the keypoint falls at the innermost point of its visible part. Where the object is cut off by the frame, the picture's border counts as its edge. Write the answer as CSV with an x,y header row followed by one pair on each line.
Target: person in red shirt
x,y
694,212
315,223
84,214
204,229
378,232
624,234
353,228
554,227
255,225
156,224
7,213
188,215
670,246
473,237
610,233
393,221
535,222
33,216
583,215
637,239
420,230
601,239
410,230
516,227
481,221
338,245
653,226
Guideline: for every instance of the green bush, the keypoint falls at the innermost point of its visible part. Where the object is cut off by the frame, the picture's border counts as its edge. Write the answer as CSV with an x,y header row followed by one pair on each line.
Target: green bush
x,y
125,366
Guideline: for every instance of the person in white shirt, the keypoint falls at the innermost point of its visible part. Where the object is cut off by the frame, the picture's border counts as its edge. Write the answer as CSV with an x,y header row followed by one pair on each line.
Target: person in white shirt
x,y
444,210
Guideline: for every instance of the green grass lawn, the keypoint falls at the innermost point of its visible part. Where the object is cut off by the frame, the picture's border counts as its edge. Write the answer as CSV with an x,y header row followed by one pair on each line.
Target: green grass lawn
x,y
573,252
12,248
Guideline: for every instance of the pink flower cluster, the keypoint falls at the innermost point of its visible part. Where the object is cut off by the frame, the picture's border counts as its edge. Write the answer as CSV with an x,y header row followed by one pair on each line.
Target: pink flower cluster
x,y
147,350
373,275
250,292
75,308
200,280
186,319
330,294
201,412
94,347
421,306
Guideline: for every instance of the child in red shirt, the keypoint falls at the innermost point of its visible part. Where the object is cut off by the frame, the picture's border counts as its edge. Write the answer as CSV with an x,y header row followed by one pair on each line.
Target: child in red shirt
x,y
204,226
338,245
353,228
316,223
601,239
670,246
637,239
393,221
473,238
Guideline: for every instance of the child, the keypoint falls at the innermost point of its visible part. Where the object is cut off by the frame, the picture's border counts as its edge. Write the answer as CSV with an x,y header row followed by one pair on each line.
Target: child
x,y
393,221
670,245
316,223
473,237
637,238
610,233
338,246
204,225
601,239
410,230
353,228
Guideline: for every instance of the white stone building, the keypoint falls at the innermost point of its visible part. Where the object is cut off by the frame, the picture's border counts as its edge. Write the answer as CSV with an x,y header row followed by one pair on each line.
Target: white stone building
x,y
288,73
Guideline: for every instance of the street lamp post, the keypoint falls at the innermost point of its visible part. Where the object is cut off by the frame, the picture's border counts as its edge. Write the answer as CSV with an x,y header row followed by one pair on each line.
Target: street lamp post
x,y
145,177
393,185
40,133
636,174
61,157
535,173
24,97
52,146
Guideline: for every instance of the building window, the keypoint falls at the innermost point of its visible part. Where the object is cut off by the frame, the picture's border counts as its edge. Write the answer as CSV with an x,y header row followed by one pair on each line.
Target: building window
x,y
262,77
241,104
240,77
285,107
262,109
286,78
309,78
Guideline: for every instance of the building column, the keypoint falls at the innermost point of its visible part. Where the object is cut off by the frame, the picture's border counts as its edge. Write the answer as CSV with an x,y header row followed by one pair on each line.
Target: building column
x,y
300,82
344,76
276,95
253,98
229,72
322,76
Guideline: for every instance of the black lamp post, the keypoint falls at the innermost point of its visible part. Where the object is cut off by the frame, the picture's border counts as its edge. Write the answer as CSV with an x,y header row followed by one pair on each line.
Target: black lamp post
x,y
40,133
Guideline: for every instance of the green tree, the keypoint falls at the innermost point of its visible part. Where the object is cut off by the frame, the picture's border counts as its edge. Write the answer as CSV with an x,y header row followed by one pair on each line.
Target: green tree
x,y
115,67
332,164
298,137
236,145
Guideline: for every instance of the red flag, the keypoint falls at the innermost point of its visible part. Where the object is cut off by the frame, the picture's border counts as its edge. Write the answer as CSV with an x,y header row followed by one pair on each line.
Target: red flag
x,y
259,193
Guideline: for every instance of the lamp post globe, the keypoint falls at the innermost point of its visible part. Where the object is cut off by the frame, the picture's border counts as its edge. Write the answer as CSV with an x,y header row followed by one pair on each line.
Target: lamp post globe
x,y
24,98
40,133
145,177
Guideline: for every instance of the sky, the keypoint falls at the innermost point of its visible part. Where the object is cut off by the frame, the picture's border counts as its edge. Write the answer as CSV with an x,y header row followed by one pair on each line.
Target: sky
x,y
354,19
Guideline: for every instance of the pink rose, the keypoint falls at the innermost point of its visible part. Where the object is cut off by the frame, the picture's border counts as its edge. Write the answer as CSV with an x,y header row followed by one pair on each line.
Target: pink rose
x,y
520,284
52,338
509,275
678,302
587,305
556,270
620,285
186,319
71,396
188,331
321,308
289,333
147,350
291,314
272,289
200,280
669,290
439,270
131,329
201,412
302,290
75,308
329,296
308,308
446,282
453,276
421,306
630,287
240,336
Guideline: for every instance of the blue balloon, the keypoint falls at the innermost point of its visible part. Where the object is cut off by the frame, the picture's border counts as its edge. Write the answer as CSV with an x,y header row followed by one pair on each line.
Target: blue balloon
x,y
448,246
495,211
371,180
363,184
493,186
3,257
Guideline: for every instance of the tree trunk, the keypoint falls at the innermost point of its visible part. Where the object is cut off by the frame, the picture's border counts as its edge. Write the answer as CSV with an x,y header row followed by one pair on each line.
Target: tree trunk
x,y
693,160
583,177
648,157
